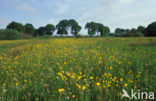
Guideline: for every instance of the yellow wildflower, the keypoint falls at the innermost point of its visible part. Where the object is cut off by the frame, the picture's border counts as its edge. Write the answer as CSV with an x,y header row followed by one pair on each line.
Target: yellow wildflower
x,y
98,84
84,87
61,90
121,79
91,78
125,84
4,84
17,84
73,96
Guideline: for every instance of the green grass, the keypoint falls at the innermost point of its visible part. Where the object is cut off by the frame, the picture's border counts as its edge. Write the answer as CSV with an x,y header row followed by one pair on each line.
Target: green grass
x,y
82,69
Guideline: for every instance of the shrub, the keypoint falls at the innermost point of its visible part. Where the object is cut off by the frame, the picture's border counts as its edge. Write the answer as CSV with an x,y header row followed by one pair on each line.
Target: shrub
x,y
137,34
10,34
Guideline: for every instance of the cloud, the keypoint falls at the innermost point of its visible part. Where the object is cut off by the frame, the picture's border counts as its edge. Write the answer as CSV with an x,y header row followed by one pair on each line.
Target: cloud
x,y
52,21
112,13
12,1
125,1
4,22
62,8
82,8
26,7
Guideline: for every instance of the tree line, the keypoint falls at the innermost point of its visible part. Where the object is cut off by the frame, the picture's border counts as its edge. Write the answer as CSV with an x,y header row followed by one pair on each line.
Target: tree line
x,y
93,28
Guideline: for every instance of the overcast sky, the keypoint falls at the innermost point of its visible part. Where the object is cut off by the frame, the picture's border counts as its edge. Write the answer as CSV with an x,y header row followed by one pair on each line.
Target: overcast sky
x,y
112,13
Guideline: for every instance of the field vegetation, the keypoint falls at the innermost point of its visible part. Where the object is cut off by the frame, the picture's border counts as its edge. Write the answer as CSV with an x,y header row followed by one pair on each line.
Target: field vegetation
x,y
74,69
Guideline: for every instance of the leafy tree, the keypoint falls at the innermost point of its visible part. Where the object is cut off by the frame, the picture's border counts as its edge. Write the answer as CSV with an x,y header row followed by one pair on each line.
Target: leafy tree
x,y
141,29
133,30
75,27
119,30
151,30
128,33
92,28
111,34
62,27
29,29
103,30
14,25
49,29
40,31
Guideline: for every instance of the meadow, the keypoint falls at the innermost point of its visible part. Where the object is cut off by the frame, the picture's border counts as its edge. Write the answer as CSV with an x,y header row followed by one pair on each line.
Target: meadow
x,y
76,69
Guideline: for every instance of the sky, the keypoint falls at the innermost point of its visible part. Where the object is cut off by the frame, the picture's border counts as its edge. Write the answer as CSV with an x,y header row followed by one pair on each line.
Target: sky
x,y
112,13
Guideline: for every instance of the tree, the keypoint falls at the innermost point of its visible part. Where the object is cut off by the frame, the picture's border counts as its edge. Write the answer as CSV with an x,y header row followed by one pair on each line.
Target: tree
x,y
40,31
92,28
119,31
133,30
14,25
62,27
141,29
150,31
49,29
29,29
75,27
103,30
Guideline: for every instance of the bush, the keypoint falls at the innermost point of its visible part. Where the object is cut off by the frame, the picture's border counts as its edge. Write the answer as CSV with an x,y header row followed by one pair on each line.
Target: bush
x,y
10,34
137,34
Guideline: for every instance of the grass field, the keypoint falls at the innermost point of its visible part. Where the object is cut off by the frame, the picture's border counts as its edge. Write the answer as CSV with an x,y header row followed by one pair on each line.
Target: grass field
x,y
84,69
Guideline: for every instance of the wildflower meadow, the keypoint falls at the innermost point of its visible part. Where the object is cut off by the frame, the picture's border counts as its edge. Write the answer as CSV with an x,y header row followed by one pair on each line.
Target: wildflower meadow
x,y
76,69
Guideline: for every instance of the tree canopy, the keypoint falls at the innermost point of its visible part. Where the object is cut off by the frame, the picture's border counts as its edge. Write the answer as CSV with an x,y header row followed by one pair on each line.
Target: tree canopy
x,y
40,31
128,32
29,29
49,29
151,30
141,29
62,27
74,27
14,25
94,28
103,30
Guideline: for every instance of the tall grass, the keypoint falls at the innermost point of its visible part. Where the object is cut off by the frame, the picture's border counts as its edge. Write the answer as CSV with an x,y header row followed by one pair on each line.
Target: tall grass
x,y
83,69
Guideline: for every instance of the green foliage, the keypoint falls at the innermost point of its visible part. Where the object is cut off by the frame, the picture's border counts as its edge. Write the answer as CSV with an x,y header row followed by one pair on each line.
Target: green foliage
x,y
92,28
29,29
141,29
110,34
119,30
10,34
129,33
75,27
91,69
151,30
49,28
137,34
62,27
14,25
40,31
133,30
103,30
